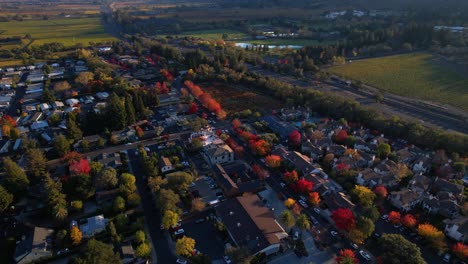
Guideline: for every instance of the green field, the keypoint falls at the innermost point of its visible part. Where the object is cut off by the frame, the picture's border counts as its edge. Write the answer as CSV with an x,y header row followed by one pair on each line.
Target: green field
x,y
214,34
288,41
418,75
68,31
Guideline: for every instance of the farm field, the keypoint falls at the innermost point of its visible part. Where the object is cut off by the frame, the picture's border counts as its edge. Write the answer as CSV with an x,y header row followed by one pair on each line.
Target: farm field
x,y
288,41
214,34
234,99
69,31
417,75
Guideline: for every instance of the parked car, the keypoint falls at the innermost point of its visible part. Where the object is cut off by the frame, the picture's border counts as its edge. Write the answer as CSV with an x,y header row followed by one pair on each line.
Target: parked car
x,y
446,258
179,232
303,203
377,235
227,259
364,254
334,233
384,217
314,220
181,261
282,184
317,210
199,220
353,245
397,225
296,235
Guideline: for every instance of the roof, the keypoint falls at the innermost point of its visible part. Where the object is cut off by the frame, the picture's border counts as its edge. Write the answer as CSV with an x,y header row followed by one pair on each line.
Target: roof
x,y
218,150
405,196
278,127
443,185
461,222
165,162
420,181
225,182
338,200
93,224
250,223
301,162
35,243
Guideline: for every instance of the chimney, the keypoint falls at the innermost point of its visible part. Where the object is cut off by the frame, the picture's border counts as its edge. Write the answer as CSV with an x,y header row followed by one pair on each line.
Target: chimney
x,y
231,213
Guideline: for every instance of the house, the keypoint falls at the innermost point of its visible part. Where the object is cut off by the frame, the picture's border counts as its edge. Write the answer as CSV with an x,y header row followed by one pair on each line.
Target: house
x,y
404,199
386,166
127,254
443,185
233,188
38,125
110,160
165,165
337,150
360,144
102,96
36,244
369,177
367,159
405,155
336,200
422,165
419,184
219,154
93,225
251,224
457,228
300,162
444,207
4,145
279,127
310,148
72,102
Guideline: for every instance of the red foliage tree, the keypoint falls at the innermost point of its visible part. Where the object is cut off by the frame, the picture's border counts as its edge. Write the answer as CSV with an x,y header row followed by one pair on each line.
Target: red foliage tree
x,y
303,186
295,138
341,167
394,217
341,136
236,123
239,151
346,256
460,250
79,167
273,161
193,108
291,177
409,221
381,191
139,132
259,147
259,172
344,219
7,120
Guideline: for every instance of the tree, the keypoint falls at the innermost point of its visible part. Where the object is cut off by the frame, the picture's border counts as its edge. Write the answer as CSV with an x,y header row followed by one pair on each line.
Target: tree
x,y
290,177
364,195
383,150
185,246
236,123
396,249
133,199
47,96
394,217
73,131
341,136
287,218
76,205
96,168
259,172
314,198
79,167
6,199
143,250
119,204
115,237
289,203
127,184
193,108
366,225
15,180
84,78
371,212
179,180
435,237
130,110
294,138
357,236
460,250
239,255
302,222
273,161
115,113
97,252
61,145
344,219
75,235
36,162
409,221
198,205
107,179
303,186
381,191
155,183
62,86
169,219
346,256
140,237
168,200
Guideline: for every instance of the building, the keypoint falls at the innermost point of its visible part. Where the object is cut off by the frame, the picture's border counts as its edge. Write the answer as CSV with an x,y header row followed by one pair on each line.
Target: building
x,y
251,224
35,245
405,199
457,228
93,225
127,254
165,165
233,188
219,154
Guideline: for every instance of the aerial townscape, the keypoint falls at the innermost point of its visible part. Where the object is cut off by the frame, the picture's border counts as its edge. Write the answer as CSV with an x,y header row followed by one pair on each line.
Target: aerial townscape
x,y
243,132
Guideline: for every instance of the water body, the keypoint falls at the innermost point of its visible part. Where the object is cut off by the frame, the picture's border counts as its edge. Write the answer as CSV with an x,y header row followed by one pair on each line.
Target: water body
x,y
243,45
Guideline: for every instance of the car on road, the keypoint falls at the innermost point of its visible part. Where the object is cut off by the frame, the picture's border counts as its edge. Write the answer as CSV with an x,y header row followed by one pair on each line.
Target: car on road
x,y
296,235
397,225
376,235
446,258
181,261
334,233
353,245
179,232
227,259
317,210
303,203
364,254
384,217
314,220
199,220
282,184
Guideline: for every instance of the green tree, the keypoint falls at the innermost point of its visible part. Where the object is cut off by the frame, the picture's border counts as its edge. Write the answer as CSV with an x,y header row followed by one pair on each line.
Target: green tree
x,y
185,246
169,219
372,213
396,249
364,195
179,180
140,237
85,145
36,162
366,225
84,78
115,237
120,221
73,131
115,113
77,205
302,222
96,168
130,110
56,202
287,218
47,96
97,252
239,255
383,150
127,184
6,199
80,187
168,200
133,199
143,250
119,204
155,183
15,180
61,145
107,179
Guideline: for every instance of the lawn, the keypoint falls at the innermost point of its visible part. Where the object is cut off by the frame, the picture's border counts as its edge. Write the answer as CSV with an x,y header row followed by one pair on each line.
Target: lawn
x,y
69,31
234,99
290,41
214,34
417,75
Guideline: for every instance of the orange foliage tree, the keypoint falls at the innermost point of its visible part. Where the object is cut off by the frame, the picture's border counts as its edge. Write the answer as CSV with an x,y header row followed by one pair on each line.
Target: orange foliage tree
x,y
409,221
394,217
460,250
259,147
346,256
314,198
274,161
435,237
290,177
381,191
259,172
236,123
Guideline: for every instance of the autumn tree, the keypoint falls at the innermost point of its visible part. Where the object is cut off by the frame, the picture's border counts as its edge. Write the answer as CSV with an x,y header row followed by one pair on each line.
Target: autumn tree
x,y
303,186
344,219
143,250
236,123
96,252
409,221
259,172
273,161
79,167
6,199
198,205
127,184
381,191
15,180
287,218
396,249
62,86
119,204
302,222
290,177
314,198
169,219
155,183
294,138
341,136
364,195
84,78
75,235
289,203
394,217
435,237
185,246
168,200
346,256
460,250
193,108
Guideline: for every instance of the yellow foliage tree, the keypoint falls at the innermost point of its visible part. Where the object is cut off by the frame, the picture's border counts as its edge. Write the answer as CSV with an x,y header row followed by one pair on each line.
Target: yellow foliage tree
x,y
185,246
435,237
289,203
6,130
169,219
75,235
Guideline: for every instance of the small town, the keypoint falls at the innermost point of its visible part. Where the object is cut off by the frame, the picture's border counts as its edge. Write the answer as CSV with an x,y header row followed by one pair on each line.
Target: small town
x,y
229,148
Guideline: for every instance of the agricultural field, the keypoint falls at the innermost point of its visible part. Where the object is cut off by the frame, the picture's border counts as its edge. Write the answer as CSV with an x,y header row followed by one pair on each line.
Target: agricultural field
x,y
288,41
215,34
69,31
418,75
234,99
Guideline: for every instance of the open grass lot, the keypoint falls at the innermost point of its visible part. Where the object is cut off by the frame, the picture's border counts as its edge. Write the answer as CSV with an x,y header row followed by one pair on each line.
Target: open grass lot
x,y
234,99
415,75
69,31
288,41
13,62
214,34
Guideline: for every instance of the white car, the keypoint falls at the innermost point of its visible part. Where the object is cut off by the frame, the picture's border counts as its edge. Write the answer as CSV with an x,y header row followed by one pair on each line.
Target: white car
x,y
334,233
317,210
355,246
384,217
364,254
179,231
282,184
227,259
296,235
303,203
181,261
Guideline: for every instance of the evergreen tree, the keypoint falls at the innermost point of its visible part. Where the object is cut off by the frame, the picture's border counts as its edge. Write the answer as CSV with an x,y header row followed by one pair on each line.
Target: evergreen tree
x,y
115,113
15,180
61,145
130,110
47,96
73,131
